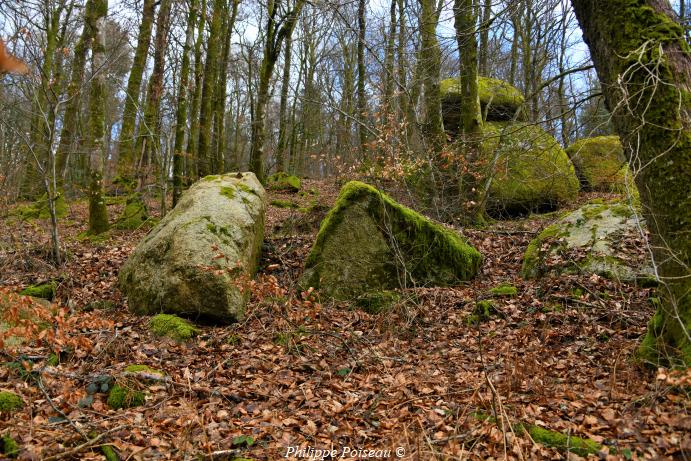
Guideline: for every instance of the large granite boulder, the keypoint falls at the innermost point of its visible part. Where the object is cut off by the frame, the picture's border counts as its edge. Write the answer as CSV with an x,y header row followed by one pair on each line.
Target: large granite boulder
x,y
594,239
600,164
368,242
498,99
529,170
195,261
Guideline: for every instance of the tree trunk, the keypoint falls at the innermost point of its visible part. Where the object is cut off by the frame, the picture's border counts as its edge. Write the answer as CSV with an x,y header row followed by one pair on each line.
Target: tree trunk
x,y
98,214
283,108
204,156
484,38
70,124
644,63
181,113
430,62
361,78
149,140
126,157
471,115
221,91
277,29
193,138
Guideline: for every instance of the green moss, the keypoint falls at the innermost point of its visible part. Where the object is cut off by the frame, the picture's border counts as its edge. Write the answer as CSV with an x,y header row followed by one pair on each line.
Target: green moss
x,y
505,289
657,348
212,177
377,301
109,453
172,326
284,181
228,192
39,209
432,254
8,446
10,402
498,99
482,312
43,291
278,203
124,397
563,442
533,254
135,213
143,369
529,169
245,188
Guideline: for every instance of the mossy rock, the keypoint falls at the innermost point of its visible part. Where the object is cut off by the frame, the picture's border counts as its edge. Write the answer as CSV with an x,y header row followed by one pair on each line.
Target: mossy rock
x,y
197,261
368,242
498,99
8,446
39,209
590,240
134,215
284,181
600,164
10,402
529,170
42,291
504,290
121,396
563,442
173,327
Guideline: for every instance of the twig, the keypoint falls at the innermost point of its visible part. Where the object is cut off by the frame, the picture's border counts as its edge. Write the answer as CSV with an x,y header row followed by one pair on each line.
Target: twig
x,y
39,382
88,443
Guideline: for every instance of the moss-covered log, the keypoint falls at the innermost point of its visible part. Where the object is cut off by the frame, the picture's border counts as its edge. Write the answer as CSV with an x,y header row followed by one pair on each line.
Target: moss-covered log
x,y
644,63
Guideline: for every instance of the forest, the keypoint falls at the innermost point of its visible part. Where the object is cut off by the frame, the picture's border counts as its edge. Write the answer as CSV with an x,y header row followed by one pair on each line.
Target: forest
x,y
252,230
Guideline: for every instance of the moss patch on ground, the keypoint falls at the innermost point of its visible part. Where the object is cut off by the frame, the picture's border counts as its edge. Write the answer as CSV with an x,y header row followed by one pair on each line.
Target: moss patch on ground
x,y
8,446
10,402
563,442
504,289
368,242
143,369
121,396
279,203
43,291
173,327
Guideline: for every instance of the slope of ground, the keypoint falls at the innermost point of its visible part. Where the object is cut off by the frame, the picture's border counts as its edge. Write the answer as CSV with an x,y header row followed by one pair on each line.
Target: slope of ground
x,y
297,373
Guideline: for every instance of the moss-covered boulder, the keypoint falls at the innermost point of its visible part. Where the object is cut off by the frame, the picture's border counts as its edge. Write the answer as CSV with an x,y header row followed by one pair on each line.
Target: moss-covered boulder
x,y
498,99
135,213
197,260
368,242
283,181
529,170
592,240
40,209
600,163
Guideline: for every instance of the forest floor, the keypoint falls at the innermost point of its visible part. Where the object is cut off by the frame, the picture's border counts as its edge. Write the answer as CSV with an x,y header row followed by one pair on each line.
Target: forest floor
x,y
418,379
